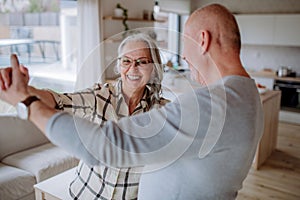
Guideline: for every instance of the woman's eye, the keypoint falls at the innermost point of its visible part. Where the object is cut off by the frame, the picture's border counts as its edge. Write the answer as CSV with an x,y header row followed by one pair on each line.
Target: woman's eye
x,y
144,62
126,61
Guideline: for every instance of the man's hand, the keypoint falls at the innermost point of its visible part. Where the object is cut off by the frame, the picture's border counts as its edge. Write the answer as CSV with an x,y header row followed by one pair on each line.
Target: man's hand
x,y
14,82
6,75
5,78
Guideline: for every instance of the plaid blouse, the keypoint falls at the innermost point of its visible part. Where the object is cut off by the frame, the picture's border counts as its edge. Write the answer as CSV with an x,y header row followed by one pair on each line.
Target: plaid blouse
x,y
98,104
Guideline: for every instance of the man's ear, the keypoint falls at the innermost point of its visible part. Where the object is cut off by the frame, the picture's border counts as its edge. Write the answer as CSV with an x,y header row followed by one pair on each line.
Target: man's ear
x,y
204,40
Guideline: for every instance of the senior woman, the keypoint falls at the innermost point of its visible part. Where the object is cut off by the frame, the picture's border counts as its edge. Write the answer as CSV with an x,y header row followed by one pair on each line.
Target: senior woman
x,y
137,90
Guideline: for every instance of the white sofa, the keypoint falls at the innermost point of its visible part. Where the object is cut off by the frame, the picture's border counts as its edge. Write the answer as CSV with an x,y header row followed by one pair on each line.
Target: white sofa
x,y
26,158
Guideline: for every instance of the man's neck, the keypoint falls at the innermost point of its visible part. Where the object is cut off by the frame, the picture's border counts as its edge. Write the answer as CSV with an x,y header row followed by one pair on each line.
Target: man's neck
x,y
219,73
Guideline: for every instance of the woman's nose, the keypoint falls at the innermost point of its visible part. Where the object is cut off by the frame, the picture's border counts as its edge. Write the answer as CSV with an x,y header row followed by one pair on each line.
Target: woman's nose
x,y
134,64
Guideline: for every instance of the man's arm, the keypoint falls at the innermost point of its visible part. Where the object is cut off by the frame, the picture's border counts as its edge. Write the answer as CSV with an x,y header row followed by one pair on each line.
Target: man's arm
x,y
159,136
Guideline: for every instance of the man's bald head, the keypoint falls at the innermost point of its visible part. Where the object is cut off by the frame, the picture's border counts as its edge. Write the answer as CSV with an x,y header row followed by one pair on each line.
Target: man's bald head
x,y
220,24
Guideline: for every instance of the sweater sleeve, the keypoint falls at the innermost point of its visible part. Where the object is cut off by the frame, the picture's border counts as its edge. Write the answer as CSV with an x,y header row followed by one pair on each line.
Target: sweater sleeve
x,y
159,136
59,135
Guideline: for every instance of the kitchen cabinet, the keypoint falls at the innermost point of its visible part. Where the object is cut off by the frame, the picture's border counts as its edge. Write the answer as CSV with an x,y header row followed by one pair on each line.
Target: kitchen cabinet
x,y
256,29
287,30
269,29
267,144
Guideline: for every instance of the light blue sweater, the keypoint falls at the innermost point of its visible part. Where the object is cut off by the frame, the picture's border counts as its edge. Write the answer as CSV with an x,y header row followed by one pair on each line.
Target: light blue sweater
x,y
200,146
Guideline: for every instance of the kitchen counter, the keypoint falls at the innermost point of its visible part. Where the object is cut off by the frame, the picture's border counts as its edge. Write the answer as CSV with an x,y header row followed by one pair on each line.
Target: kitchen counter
x,y
267,144
268,95
272,75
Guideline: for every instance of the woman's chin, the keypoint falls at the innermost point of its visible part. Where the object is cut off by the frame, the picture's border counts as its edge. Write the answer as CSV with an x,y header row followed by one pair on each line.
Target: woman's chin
x,y
134,84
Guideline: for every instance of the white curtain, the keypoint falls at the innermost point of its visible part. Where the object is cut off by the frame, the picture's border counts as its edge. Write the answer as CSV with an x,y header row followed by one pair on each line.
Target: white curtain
x,y
90,68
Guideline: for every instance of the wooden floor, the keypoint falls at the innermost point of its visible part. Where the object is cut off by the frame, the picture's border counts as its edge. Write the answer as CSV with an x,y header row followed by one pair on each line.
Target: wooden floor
x,y
279,177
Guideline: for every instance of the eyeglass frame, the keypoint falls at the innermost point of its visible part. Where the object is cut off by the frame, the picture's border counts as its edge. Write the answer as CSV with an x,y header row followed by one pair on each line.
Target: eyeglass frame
x,y
135,61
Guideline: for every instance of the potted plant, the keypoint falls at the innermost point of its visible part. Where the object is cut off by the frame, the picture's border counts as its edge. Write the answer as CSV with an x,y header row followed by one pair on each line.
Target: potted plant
x,y
118,10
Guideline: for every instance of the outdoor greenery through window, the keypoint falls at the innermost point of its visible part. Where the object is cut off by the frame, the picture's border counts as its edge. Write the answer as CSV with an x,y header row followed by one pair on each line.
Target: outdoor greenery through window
x,y
44,36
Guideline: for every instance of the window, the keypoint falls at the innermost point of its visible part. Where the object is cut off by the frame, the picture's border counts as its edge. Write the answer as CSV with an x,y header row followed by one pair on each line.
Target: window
x,y
44,36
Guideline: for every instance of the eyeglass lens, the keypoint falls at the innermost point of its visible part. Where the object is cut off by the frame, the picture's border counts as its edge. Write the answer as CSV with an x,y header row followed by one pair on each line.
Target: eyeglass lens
x,y
127,62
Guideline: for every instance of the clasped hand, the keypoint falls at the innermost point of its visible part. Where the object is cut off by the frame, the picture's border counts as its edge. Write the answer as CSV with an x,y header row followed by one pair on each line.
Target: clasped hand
x,y
14,82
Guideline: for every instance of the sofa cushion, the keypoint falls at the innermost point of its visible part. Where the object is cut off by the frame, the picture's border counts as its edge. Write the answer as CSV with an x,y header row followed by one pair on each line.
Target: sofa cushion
x,y
43,161
17,135
15,183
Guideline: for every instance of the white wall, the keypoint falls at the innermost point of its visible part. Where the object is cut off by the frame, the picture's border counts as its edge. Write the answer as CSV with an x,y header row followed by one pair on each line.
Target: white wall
x,y
177,6
256,57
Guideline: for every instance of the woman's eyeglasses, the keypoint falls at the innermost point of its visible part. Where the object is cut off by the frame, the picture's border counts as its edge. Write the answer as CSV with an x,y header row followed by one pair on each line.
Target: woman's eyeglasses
x,y
128,62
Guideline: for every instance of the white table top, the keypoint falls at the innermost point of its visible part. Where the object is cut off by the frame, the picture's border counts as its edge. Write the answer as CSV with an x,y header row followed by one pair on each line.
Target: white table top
x,y
58,186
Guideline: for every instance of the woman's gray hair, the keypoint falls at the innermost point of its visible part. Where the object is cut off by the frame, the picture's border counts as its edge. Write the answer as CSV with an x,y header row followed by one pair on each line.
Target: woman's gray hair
x,y
157,74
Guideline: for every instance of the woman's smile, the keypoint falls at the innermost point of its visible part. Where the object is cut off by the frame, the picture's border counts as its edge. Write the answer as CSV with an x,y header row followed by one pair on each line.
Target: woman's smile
x,y
133,77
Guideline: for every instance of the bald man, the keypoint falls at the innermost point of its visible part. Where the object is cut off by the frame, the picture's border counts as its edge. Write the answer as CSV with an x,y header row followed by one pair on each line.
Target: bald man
x,y
200,146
